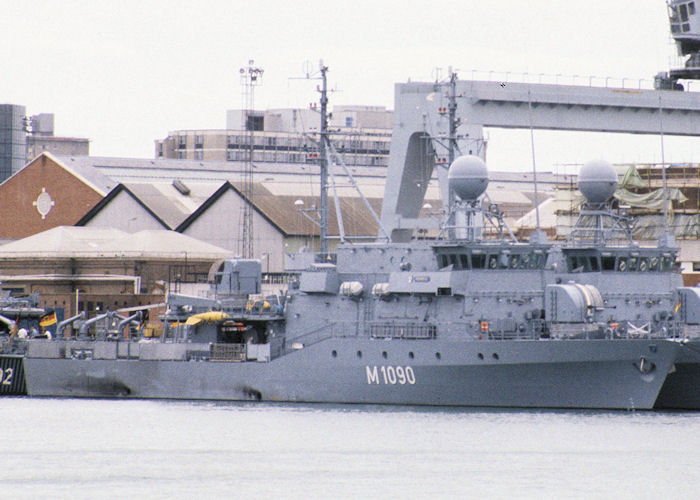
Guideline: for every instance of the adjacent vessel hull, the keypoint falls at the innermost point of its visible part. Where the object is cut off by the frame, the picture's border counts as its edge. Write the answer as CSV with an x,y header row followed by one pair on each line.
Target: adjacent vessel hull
x,y
614,374
681,390
12,375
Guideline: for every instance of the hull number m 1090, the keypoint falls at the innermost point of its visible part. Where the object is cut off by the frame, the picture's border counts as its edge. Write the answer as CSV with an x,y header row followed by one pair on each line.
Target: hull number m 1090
x,y
390,375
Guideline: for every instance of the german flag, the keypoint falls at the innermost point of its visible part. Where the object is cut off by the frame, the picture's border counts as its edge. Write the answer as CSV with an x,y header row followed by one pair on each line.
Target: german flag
x,y
48,319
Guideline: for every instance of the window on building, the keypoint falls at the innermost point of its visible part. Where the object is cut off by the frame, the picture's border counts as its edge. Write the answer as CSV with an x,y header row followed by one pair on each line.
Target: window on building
x,y
198,141
199,154
255,123
348,121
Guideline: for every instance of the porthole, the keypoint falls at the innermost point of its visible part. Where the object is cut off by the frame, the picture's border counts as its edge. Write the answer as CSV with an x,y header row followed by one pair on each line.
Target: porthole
x,y
384,355
410,355
334,353
495,355
437,355
480,355
359,354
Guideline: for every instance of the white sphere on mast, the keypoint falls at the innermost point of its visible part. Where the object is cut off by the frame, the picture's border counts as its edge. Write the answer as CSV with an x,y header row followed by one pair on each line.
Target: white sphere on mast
x,y
468,177
597,180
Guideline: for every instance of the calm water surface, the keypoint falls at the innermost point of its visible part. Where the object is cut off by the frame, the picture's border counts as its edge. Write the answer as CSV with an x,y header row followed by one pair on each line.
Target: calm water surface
x,y
81,448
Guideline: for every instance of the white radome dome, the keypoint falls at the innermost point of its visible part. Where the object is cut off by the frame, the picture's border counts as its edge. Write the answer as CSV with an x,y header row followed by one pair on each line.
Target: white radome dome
x,y
468,177
597,180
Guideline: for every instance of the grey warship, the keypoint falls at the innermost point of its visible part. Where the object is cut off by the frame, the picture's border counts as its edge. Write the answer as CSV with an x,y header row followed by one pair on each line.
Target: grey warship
x,y
641,286
461,320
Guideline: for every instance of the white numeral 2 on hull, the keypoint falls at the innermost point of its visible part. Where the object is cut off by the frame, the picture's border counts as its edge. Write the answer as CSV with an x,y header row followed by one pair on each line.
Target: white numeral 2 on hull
x,y
6,378
390,375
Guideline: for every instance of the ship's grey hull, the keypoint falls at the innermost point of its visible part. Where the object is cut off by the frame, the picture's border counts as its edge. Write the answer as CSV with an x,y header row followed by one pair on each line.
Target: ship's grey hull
x,y
542,374
681,390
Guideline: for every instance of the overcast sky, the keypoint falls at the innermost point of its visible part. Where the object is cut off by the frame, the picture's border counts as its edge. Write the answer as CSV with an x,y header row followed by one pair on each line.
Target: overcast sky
x,y
124,73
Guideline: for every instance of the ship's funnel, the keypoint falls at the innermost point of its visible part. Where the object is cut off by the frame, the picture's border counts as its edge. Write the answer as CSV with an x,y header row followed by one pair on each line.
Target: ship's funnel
x,y
468,177
597,180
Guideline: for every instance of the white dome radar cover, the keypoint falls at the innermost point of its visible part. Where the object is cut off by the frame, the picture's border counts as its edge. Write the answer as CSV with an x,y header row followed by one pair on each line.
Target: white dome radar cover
x,y
597,180
468,177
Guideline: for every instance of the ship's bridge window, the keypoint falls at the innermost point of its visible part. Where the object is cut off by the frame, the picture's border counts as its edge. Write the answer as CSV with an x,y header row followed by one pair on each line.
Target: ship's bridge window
x,y
607,262
632,263
583,263
456,260
519,261
622,263
463,261
526,261
478,260
643,264
666,263
538,260
654,263
503,260
514,261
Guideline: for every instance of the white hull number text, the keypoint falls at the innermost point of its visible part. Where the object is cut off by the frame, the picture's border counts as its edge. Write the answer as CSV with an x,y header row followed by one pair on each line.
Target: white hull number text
x,y
6,378
390,375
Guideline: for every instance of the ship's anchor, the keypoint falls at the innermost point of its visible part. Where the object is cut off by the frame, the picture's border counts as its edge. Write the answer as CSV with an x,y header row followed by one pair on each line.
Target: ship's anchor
x,y
645,366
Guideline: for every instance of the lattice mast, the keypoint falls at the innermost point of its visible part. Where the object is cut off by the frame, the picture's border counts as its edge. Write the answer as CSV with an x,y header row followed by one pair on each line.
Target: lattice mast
x,y
452,146
251,77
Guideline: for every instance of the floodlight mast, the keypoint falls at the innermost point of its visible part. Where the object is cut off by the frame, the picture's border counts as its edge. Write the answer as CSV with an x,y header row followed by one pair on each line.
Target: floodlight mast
x,y
251,77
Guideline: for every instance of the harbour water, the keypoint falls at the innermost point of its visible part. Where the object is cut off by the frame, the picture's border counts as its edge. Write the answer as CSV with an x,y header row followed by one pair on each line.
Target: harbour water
x,y
86,448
